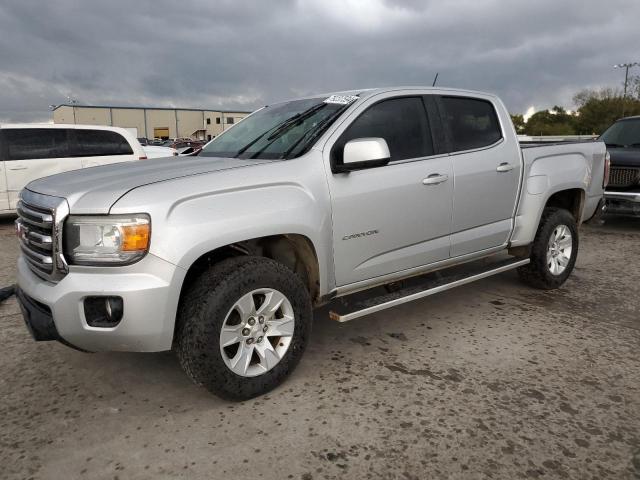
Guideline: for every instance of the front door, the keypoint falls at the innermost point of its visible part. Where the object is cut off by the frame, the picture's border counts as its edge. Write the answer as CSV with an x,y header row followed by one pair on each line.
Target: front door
x,y
486,165
388,219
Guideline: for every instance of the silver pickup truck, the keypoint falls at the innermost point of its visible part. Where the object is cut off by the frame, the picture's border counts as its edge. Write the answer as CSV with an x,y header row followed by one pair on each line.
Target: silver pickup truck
x,y
223,256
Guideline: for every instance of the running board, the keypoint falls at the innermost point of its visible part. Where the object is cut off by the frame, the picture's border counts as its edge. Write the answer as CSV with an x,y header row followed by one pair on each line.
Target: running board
x,y
440,284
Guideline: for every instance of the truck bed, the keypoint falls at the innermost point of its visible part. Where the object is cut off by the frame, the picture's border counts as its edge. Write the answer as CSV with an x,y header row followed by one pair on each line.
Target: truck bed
x,y
535,143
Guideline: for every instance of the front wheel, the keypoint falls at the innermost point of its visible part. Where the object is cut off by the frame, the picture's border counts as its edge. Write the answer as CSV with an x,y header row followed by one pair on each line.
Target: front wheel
x,y
243,326
554,250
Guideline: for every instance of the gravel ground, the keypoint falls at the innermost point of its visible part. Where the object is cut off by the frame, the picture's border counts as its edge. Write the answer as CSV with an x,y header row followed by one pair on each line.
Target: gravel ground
x,y
492,380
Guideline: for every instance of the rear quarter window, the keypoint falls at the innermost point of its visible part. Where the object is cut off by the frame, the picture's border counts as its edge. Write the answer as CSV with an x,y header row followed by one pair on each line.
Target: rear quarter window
x,y
93,143
471,123
35,143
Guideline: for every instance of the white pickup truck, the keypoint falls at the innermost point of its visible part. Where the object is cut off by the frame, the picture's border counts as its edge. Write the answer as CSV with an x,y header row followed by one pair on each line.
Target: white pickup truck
x,y
223,256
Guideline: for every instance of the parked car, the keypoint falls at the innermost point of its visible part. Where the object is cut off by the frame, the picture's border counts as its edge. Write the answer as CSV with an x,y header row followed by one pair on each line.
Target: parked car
x,y
190,151
623,144
222,257
154,151
31,151
182,143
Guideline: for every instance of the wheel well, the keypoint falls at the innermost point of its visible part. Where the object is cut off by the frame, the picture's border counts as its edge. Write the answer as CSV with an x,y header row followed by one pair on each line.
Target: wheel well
x,y
571,200
292,250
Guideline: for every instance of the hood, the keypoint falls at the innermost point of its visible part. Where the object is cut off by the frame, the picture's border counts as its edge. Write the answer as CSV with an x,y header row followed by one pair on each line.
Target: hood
x,y
96,189
624,157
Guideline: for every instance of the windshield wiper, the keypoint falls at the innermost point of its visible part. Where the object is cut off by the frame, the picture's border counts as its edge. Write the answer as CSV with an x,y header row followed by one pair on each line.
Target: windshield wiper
x,y
288,125
296,119
251,143
278,129
317,130
614,145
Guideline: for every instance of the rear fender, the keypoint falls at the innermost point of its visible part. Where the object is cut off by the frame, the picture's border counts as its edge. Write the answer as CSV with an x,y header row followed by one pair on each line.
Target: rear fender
x,y
546,176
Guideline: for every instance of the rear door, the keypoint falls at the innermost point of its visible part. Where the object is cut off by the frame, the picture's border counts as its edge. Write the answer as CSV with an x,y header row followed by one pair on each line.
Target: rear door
x,y
486,167
4,194
101,147
33,153
387,219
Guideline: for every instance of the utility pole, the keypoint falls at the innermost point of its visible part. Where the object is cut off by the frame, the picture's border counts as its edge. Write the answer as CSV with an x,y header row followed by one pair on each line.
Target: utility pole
x,y
626,66
73,102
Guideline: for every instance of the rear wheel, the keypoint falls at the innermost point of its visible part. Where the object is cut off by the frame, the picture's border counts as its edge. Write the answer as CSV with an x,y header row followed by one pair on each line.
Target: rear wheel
x,y
243,326
554,250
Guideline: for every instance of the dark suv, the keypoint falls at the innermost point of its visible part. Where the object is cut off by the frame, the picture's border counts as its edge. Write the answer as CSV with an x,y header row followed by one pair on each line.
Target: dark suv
x,y
623,144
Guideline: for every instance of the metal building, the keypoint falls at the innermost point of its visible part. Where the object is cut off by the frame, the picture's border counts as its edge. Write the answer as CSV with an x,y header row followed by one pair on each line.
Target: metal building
x,y
151,122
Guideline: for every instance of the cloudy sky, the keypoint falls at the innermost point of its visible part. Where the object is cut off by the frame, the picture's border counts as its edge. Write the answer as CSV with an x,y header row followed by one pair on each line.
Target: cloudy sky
x,y
243,54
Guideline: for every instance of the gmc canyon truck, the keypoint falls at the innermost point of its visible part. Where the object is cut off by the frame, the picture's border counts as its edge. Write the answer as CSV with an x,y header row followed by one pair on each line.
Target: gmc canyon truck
x,y
623,144
223,256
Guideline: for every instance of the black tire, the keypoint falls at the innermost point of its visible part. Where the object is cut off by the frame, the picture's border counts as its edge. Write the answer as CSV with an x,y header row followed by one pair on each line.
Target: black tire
x,y
537,273
202,312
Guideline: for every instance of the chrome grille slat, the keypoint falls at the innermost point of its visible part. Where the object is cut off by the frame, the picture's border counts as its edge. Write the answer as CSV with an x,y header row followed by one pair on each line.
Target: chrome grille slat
x,y
39,227
44,242
42,262
34,217
624,176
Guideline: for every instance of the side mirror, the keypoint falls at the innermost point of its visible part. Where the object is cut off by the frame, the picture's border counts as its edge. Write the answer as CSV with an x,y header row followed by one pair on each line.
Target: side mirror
x,y
364,153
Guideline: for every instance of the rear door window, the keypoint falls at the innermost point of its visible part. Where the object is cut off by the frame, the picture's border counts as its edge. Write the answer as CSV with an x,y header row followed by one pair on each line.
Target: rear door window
x,y
92,143
35,143
402,122
471,123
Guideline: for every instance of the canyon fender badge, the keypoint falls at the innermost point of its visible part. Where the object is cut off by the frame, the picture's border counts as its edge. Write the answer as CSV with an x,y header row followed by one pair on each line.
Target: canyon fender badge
x,y
361,234
342,99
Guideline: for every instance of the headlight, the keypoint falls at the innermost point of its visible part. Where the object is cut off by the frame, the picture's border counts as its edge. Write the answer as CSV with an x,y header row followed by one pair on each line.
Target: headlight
x,y
106,240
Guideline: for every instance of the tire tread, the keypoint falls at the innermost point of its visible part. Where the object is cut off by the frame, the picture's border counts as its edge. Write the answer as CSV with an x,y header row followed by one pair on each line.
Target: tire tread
x,y
195,326
536,273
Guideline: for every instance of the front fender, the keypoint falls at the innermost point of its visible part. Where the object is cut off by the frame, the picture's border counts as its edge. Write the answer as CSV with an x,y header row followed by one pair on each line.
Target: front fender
x,y
217,219
195,215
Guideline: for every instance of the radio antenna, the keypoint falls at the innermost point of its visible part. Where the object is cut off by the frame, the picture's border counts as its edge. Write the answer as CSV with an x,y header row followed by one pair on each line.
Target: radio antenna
x,y
435,80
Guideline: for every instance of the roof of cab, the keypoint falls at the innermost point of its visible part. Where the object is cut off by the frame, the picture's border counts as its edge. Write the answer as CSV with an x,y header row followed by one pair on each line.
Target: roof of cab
x,y
368,92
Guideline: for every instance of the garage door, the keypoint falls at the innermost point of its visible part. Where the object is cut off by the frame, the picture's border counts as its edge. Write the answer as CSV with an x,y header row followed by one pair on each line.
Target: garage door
x,y
161,133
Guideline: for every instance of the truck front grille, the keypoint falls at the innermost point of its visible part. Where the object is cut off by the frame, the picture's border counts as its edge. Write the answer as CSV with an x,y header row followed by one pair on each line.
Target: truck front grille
x,y
624,177
39,229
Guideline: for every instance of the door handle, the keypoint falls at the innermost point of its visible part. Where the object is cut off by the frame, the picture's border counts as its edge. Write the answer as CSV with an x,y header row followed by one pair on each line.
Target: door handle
x,y
505,167
18,168
435,179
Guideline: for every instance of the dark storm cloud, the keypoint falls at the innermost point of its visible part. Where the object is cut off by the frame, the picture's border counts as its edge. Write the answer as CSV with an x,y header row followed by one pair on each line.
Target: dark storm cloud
x,y
236,54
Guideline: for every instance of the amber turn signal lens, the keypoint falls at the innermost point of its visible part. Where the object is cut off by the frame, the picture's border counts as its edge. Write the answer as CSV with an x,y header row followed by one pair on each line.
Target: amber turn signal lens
x,y
135,238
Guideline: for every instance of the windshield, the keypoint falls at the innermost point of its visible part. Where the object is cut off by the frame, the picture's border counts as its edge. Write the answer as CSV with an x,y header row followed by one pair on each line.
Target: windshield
x,y
625,133
283,130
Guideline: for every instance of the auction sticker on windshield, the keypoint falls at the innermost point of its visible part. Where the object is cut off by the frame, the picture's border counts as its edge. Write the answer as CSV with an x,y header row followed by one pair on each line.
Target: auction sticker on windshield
x,y
342,99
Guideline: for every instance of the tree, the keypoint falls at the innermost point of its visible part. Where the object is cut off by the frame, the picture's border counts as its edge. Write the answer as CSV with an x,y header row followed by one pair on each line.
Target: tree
x,y
518,123
597,109
555,121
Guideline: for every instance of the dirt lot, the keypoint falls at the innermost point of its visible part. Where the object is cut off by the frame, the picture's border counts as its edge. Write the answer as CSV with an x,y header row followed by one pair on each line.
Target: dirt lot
x,y
493,380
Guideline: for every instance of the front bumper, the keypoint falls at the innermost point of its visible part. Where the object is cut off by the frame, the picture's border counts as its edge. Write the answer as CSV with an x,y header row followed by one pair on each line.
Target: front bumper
x,y
624,203
150,291
37,317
